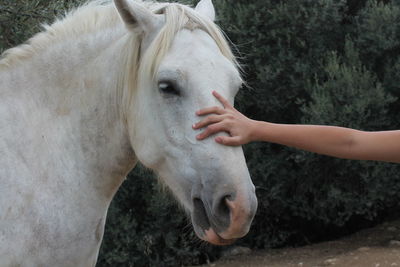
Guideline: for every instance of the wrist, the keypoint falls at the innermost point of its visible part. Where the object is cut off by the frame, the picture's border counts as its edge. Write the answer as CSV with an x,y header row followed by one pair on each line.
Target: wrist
x,y
254,130
262,131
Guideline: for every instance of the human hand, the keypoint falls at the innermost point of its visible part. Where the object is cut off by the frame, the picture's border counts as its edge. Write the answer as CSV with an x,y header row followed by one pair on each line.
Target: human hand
x,y
226,119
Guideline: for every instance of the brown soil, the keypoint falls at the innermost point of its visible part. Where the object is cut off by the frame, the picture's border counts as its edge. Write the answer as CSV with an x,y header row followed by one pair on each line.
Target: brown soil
x,y
374,247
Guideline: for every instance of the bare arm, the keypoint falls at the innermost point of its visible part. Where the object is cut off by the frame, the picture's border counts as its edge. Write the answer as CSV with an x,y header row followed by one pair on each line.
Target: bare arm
x,y
328,140
334,141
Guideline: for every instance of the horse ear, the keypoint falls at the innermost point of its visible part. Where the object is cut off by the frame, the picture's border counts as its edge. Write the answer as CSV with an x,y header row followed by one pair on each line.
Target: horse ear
x,y
206,8
134,14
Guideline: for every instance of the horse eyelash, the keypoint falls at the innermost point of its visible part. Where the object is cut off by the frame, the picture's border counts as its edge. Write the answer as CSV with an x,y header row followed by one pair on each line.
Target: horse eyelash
x,y
175,91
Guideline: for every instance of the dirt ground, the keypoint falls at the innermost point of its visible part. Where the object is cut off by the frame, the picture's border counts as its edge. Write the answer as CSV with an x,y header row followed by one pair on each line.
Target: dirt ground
x,y
374,247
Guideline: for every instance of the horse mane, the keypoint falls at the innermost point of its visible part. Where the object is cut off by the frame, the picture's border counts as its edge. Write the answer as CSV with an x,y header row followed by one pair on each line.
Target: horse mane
x,y
101,14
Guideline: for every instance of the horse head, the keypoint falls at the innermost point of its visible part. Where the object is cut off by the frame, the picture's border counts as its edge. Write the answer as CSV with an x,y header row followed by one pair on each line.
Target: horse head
x,y
183,56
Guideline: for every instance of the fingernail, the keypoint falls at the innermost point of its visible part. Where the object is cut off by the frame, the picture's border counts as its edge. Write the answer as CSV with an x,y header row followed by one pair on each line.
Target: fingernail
x,y
194,126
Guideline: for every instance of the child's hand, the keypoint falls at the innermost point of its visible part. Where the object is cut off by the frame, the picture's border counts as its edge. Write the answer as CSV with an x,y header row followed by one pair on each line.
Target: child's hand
x,y
226,119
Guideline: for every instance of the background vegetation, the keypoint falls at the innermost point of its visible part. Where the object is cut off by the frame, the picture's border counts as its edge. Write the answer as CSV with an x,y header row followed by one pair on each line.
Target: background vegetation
x,y
307,61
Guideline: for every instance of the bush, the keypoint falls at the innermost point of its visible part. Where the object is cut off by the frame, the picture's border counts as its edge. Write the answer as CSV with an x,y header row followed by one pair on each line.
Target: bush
x,y
317,62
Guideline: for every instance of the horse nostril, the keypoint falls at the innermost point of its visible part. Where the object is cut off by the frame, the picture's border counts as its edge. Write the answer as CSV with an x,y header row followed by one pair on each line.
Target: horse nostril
x,y
200,214
223,211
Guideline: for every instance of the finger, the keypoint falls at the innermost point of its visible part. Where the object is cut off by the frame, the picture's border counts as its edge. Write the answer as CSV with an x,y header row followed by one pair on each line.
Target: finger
x,y
221,99
208,120
228,140
210,130
210,110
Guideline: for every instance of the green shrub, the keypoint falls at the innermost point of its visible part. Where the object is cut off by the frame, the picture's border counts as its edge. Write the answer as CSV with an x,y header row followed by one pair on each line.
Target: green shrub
x,y
317,62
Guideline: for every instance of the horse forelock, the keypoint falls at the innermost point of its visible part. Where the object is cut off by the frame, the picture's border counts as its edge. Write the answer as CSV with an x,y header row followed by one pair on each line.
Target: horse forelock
x,y
178,17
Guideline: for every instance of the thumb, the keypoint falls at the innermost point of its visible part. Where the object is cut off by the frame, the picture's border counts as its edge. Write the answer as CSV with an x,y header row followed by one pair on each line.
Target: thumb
x,y
228,140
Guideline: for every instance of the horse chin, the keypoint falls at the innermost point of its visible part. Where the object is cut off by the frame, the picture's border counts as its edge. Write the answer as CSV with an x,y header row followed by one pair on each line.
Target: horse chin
x,y
212,237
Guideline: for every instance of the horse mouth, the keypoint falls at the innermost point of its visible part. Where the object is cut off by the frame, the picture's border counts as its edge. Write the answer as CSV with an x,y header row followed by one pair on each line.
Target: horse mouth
x,y
212,237
203,228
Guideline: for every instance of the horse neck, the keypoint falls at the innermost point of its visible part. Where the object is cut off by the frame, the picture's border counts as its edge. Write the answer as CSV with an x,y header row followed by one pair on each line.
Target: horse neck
x,y
73,86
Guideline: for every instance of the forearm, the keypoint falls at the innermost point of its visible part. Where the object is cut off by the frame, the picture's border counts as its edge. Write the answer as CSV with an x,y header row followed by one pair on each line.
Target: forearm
x,y
327,140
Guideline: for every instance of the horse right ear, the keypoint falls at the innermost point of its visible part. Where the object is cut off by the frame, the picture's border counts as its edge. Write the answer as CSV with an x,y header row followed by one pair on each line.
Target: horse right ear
x,y
134,14
206,8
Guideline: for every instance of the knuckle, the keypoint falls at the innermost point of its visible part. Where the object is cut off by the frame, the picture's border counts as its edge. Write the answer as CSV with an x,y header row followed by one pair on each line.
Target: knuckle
x,y
230,122
231,116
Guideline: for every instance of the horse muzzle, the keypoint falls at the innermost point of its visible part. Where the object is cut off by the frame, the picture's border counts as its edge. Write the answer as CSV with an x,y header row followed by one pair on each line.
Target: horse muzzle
x,y
223,217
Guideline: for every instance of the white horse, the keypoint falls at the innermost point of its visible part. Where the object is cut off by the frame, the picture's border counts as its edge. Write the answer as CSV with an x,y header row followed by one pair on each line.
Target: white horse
x,y
97,91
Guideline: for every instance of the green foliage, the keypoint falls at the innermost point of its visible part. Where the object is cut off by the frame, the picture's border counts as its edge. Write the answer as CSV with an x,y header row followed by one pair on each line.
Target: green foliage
x,y
317,62
281,42
331,62
377,18
350,95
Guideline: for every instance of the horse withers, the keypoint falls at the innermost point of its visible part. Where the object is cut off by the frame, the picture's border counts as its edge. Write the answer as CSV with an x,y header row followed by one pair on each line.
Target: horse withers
x,y
97,91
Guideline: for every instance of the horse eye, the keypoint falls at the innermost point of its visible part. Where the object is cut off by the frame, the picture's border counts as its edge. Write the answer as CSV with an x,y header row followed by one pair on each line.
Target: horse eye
x,y
168,88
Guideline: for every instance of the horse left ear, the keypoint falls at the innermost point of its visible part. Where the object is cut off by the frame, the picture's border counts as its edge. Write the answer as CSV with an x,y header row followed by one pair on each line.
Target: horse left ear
x,y
134,14
206,8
